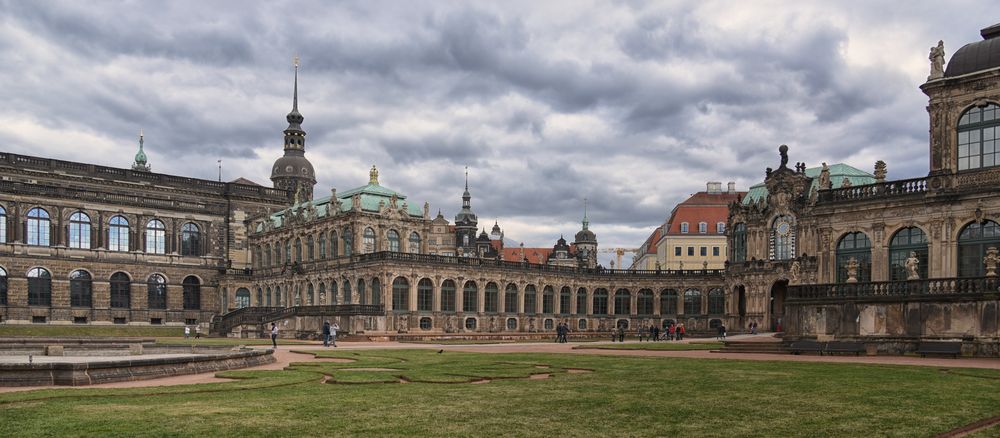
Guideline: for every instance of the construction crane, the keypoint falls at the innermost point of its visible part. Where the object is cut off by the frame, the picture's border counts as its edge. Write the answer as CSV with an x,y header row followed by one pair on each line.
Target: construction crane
x,y
619,252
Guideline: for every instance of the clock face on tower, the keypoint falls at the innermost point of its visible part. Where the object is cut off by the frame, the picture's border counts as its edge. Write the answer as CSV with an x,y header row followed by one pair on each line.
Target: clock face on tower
x,y
782,226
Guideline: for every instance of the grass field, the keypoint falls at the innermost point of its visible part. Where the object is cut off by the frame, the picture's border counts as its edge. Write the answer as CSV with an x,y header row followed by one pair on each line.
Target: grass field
x,y
668,346
622,396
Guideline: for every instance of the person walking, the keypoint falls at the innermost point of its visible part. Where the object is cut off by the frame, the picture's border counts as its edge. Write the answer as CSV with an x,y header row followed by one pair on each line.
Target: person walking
x,y
326,333
333,333
720,335
187,332
680,332
274,335
671,329
656,333
621,333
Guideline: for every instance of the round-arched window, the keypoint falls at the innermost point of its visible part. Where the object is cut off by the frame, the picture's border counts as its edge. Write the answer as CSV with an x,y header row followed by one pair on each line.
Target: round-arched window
x,y
81,289
79,230
369,240
393,238
854,246
156,288
973,242
156,237
904,242
414,243
978,135
38,227
190,240
39,287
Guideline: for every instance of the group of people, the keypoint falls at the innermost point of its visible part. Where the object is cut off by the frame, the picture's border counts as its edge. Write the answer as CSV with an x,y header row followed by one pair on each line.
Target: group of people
x,y
561,331
197,332
652,333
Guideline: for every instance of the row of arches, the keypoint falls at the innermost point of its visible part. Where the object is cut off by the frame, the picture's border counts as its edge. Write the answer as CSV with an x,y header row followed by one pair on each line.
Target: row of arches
x,y
81,290
323,245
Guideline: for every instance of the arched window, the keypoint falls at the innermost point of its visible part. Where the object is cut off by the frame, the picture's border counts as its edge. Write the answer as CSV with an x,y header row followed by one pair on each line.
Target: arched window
x,y
600,301
348,296
905,241
39,287
581,301
288,251
393,237
782,238
854,246
470,297
414,243
333,293
623,302
564,297
973,242
260,297
739,242
267,296
448,296
267,255
692,302
668,302
529,299
492,295
684,227
190,240
716,302
38,227
369,240
322,245
277,254
297,300
79,230
321,299
348,242
277,296
156,237
333,244
3,225
3,287
548,299
702,227
425,295
242,298
121,291
156,292
376,292
81,289
510,299
978,138
400,294
310,248
644,305
192,293
362,296
298,250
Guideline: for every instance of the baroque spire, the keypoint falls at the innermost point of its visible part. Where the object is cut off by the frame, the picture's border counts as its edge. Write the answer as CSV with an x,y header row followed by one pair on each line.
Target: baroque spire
x,y
140,164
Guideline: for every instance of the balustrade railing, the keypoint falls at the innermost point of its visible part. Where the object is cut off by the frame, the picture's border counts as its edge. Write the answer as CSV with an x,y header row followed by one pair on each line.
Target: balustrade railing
x,y
261,315
880,190
903,288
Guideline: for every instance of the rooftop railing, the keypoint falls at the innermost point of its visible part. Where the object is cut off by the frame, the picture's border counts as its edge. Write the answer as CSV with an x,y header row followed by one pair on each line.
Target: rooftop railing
x,y
887,189
935,287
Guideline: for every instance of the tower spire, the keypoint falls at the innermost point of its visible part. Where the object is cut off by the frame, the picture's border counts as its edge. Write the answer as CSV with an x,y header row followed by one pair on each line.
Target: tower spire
x,y
586,223
295,92
293,172
140,157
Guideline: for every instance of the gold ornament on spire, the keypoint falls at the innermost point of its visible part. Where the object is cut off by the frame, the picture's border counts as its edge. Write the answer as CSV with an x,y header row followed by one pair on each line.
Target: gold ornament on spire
x,y
373,176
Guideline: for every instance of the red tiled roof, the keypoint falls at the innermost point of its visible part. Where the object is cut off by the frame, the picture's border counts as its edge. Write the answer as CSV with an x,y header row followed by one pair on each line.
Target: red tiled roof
x,y
496,244
702,207
652,239
534,255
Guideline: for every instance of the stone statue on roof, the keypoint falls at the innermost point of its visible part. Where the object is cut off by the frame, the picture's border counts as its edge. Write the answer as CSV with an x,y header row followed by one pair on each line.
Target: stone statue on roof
x,y
356,202
783,150
845,183
937,61
824,178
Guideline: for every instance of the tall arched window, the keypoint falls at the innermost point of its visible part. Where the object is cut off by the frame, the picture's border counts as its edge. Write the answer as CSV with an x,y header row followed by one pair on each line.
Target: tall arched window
x,y
510,299
322,245
414,243
362,296
492,296
190,240
321,299
529,299
425,295
277,254
470,297
448,296
581,301
267,296
81,289
156,237
348,295
692,302
393,237
39,287
242,298
192,293
156,292
716,302
277,296
548,299
564,297
905,241
978,136
600,301
334,299
79,230
739,242
118,234
782,238
369,240
260,297
623,302
973,242
298,250
348,242
400,294
376,292
333,244
310,247
3,287
288,251
38,227
854,246
644,303
668,302
3,225
310,295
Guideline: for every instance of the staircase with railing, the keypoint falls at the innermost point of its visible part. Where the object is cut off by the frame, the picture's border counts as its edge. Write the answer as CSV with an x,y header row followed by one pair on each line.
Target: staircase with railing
x,y
223,324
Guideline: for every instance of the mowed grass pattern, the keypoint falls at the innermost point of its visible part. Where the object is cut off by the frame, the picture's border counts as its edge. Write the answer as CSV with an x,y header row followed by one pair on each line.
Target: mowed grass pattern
x,y
624,396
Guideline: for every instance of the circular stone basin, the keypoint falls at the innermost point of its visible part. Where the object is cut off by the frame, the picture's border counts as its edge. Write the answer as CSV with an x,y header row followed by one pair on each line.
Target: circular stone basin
x,y
369,369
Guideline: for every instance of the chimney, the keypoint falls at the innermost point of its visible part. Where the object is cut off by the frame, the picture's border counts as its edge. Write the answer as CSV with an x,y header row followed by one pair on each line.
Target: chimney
x,y
732,188
713,187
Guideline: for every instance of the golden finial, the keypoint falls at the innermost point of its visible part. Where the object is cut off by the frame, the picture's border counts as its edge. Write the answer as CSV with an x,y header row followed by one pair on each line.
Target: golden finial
x,y
373,176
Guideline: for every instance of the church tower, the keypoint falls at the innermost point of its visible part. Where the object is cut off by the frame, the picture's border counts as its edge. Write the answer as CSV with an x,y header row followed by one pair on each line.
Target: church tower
x,y
293,172
466,224
586,243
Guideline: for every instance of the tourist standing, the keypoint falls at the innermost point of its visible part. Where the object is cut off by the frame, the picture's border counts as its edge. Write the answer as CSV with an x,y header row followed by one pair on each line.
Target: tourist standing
x,y
197,332
670,331
326,333
680,332
656,333
187,332
274,335
642,332
721,334
333,333
621,333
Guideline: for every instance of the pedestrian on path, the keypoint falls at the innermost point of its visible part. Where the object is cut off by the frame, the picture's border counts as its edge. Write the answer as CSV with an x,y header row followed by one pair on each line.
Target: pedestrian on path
x,y
333,333
274,335
326,333
187,332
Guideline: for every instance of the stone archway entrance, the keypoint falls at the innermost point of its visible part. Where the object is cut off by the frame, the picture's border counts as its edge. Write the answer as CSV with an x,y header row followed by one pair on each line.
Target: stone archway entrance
x,y
777,305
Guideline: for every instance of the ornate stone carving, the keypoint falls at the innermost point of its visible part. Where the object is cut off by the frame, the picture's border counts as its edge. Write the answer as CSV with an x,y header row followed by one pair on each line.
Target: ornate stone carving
x,y
937,61
880,171
912,265
794,272
852,270
846,183
991,260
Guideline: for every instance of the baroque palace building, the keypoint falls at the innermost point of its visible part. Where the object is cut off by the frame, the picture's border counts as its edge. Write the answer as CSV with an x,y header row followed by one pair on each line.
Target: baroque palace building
x,y
835,252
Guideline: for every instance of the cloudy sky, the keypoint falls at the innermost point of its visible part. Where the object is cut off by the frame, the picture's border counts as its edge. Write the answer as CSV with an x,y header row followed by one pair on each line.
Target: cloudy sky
x,y
633,105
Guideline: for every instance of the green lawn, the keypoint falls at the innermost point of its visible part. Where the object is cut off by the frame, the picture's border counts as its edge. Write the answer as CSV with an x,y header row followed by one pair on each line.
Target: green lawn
x,y
669,346
623,396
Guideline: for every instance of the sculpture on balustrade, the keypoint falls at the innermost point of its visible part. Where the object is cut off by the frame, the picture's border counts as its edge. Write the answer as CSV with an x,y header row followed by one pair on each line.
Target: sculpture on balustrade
x,y
794,272
824,178
912,265
991,260
852,270
880,171
937,61
846,183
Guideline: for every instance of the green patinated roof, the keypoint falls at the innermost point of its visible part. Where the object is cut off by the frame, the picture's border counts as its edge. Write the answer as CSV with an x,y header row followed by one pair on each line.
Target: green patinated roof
x,y
371,195
857,177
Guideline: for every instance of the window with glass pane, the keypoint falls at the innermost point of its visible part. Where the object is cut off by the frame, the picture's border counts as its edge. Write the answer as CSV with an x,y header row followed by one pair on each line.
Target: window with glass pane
x,y
973,242
692,302
260,295
782,238
190,240
156,291
668,302
492,295
716,302
977,138
600,302
242,298
3,287
192,293
333,293
905,241
400,294
854,246
581,301
644,304
310,295
470,297
720,227
322,245
348,296
703,227
425,295
288,251
448,296
414,243
39,287
310,247
156,237
564,300
548,299
79,230
623,302
298,250
684,227
393,237
530,296
348,242
376,292
38,227
3,225
362,296
333,244
510,299
81,291
369,240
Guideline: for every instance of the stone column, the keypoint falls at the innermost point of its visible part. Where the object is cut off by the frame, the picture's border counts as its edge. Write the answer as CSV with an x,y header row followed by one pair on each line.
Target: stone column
x,y
634,302
412,302
557,300
437,296
656,303
481,294
460,296
501,299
